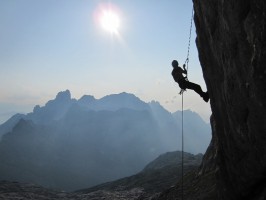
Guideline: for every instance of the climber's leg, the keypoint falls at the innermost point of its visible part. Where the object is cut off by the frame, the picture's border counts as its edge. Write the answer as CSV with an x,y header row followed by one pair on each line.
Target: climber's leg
x,y
197,88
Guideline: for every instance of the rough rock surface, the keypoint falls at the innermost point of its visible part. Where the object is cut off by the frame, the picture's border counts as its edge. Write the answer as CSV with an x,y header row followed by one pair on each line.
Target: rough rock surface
x,y
157,176
231,38
25,191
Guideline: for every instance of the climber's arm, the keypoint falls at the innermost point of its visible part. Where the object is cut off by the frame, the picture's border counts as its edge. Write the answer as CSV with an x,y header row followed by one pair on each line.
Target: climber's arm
x,y
184,71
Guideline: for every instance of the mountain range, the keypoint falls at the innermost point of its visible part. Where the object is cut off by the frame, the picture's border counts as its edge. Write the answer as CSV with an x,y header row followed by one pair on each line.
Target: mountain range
x,y
70,144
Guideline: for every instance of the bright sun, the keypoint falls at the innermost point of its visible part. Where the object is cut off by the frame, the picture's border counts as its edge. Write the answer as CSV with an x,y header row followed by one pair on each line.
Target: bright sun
x,y
110,21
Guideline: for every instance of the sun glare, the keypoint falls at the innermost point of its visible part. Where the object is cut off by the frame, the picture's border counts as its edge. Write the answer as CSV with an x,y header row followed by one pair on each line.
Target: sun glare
x,y
110,21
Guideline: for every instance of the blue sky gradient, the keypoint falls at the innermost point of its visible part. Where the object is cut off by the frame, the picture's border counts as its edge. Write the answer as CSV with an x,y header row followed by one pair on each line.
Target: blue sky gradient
x,y
49,46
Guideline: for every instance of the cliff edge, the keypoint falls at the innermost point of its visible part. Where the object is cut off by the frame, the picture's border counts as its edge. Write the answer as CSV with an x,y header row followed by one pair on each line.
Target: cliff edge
x,y
231,38
231,41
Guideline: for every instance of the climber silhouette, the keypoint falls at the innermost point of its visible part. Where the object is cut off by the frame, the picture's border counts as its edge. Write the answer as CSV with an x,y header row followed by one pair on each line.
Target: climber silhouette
x,y
183,82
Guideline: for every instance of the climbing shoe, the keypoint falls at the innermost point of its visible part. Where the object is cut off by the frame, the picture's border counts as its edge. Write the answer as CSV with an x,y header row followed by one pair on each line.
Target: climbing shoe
x,y
205,96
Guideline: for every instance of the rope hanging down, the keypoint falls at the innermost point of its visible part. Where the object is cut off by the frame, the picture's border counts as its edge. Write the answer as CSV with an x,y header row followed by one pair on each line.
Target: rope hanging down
x,y
188,51
182,156
189,39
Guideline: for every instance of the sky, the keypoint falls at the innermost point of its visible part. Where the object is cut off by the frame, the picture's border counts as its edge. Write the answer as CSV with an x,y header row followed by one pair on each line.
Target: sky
x,y
48,46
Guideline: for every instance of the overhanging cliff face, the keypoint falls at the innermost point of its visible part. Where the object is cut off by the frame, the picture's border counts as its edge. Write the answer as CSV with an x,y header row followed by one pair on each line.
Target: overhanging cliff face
x,y
231,39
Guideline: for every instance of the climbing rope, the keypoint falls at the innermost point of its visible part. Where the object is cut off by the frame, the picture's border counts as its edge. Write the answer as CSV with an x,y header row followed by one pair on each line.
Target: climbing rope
x,y
189,39
182,155
182,91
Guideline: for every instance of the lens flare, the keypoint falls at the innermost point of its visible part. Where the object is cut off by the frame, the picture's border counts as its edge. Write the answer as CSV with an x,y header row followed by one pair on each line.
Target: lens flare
x,y
110,21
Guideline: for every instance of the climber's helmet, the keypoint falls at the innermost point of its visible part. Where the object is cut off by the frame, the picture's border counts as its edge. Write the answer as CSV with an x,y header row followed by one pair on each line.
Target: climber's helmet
x,y
174,63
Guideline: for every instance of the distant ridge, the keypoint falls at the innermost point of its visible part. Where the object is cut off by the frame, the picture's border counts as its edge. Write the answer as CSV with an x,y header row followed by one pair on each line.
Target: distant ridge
x,y
72,144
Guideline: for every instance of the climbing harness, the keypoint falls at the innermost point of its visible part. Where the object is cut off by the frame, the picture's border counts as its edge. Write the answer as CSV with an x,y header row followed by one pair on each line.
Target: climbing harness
x,y
181,93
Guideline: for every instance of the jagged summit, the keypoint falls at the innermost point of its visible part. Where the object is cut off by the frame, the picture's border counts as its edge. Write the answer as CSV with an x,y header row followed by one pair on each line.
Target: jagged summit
x,y
86,99
56,108
63,96
122,100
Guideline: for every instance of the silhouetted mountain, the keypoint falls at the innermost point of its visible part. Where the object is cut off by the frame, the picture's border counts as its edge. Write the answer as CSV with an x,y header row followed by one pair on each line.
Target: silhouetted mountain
x,y
123,100
72,144
53,109
9,124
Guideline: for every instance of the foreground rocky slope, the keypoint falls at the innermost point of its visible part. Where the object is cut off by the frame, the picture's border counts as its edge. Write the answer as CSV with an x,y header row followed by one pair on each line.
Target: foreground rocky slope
x,y
24,191
158,175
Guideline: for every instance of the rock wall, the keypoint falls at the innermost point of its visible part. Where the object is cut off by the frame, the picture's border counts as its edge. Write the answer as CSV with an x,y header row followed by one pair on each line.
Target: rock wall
x,y
231,40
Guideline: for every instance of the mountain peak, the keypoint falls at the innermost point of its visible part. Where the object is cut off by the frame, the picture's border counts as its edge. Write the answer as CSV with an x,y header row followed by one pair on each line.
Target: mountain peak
x,y
122,95
86,99
122,100
63,95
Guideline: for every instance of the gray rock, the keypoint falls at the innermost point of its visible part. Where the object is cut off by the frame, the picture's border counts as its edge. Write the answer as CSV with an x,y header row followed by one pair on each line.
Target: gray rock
x,y
231,38
231,42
